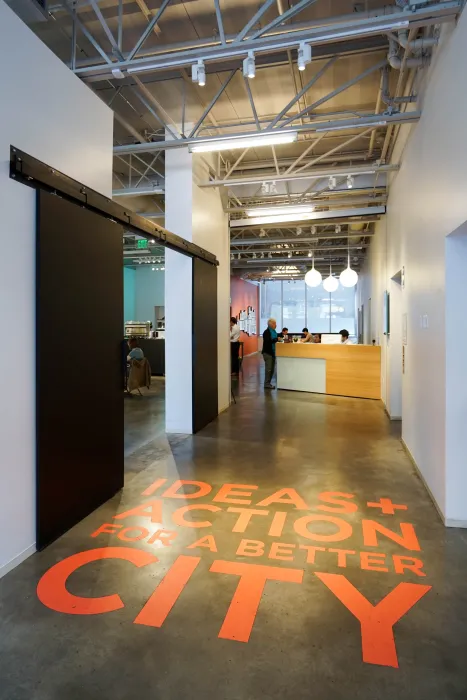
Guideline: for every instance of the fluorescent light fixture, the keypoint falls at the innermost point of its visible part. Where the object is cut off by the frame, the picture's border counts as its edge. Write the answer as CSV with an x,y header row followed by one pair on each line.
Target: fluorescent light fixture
x,y
304,55
351,126
280,211
316,215
249,68
253,141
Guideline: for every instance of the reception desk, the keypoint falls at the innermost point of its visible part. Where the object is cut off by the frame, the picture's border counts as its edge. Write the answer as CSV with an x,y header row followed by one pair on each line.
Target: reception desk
x,y
341,370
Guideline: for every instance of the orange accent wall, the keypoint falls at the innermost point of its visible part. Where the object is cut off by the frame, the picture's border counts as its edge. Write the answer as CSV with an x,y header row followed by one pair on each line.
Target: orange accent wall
x,y
242,295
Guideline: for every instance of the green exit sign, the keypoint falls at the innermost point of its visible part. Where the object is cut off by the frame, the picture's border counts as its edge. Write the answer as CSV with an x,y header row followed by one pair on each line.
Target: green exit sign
x,y
143,243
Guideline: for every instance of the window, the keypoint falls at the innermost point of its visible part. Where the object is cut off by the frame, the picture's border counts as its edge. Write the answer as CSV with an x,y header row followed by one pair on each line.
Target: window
x,y
317,309
271,303
293,305
343,310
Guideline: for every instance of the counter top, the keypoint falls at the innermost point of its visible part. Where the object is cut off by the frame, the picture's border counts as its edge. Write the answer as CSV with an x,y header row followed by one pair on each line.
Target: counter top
x,y
351,370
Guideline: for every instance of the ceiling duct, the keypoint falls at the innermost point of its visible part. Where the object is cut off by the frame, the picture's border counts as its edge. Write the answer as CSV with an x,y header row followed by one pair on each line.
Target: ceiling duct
x,y
30,11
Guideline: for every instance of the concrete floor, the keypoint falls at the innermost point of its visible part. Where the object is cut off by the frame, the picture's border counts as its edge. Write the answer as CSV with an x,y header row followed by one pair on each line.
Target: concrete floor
x,y
304,638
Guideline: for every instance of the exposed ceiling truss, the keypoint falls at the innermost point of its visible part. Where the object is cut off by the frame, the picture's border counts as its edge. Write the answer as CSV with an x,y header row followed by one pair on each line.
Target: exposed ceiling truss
x,y
347,108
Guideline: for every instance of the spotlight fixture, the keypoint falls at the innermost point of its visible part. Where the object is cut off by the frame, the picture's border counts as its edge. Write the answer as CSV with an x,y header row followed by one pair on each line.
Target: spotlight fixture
x,y
299,231
350,181
337,228
232,257
262,233
304,55
254,256
262,255
198,73
153,269
310,254
332,182
269,254
265,188
313,230
249,68
289,255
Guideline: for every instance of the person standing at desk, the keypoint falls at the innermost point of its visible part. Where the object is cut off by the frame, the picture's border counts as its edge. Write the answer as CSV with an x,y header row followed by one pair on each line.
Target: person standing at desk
x,y
269,352
234,345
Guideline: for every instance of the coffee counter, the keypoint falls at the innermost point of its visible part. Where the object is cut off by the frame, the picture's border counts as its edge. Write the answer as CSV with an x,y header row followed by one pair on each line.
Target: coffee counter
x,y
341,370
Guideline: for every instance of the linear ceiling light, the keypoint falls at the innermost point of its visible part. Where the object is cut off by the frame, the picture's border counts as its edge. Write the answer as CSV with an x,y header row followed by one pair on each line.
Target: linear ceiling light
x,y
280,211
253,141
316,215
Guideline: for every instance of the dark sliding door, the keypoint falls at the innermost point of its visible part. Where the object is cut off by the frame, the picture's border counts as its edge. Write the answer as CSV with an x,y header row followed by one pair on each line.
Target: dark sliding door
x,y
205,400
79,398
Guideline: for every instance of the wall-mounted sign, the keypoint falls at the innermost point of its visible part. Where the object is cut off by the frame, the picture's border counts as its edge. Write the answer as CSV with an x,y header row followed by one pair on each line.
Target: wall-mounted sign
x,y
142,243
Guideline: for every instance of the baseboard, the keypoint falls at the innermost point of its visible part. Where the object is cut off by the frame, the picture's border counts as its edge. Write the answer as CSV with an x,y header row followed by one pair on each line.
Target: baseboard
x,y
16,561
456,523
423,480
389,415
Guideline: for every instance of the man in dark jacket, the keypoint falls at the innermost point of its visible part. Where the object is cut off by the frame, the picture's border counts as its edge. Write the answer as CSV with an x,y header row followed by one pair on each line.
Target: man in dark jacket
x,y
269,352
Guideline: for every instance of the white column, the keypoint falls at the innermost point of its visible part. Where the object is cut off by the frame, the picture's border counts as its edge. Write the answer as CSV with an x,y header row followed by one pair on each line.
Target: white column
x,y
197,215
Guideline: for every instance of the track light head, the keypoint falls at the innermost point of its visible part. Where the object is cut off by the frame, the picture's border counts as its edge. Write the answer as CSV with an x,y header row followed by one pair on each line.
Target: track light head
x,y
299,231
332,182
304,55
337,228
249,67
198,73
313,230
350,181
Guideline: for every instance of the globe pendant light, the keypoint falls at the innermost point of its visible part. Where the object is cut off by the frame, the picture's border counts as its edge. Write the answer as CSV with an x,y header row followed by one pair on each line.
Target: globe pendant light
x,y
313,277
330,284
348,277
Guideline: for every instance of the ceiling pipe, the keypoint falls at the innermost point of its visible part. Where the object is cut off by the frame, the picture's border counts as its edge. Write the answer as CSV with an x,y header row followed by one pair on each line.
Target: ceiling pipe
x,y
427,42
395,61
386,97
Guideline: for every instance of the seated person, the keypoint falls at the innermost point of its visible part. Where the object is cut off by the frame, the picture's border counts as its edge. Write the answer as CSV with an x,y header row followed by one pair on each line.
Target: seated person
x,y
316,338
308,337
135,352
284,334
345,340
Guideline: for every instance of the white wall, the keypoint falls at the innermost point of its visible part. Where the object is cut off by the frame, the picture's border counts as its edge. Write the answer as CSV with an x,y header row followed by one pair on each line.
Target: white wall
x,y
211,231
427,202
47,112
149,292
197,215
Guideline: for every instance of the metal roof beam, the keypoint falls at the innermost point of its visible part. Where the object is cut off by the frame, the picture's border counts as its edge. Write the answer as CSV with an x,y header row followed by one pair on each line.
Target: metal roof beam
x,y
238,243
335,125
286,39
